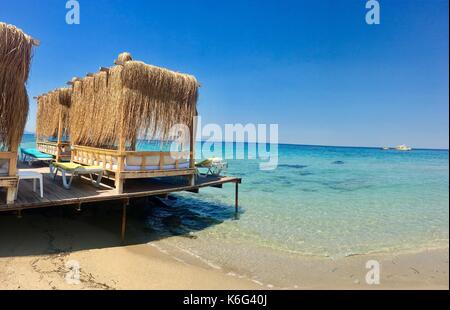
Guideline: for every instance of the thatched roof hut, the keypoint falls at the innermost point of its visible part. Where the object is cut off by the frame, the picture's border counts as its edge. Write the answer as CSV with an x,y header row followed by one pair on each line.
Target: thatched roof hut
x,y
15,59
131,99
53,113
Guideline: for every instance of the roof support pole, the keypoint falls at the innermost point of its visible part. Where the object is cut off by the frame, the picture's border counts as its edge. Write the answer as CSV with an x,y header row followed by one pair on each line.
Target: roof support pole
x,y
12,171
121,159
134,142
59,137
192,135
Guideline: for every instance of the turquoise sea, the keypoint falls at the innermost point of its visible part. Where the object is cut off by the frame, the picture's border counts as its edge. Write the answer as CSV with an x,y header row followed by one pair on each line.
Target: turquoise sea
x,y
320,201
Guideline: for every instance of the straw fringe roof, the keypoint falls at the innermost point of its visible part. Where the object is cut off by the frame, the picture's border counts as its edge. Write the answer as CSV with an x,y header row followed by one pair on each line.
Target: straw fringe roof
x,y
51,107
15,60
139,99
124,57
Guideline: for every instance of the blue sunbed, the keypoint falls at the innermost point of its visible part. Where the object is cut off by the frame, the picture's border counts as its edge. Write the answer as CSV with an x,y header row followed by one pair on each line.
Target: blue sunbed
x,y
32,155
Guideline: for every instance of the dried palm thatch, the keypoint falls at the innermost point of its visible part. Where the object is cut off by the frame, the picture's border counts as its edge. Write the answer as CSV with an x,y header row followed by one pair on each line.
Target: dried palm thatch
x,y
124,57
15,60
133,100
53,108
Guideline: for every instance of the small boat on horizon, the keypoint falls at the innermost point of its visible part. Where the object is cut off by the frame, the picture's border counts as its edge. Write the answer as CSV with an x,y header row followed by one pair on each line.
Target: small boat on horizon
x,y
403,147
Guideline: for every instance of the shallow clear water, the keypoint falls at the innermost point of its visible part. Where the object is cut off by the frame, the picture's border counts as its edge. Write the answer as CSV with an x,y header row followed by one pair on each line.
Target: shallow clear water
x,y
324,201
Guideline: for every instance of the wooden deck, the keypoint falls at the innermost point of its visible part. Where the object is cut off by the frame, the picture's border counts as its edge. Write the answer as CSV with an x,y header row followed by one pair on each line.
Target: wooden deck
x,y
83,191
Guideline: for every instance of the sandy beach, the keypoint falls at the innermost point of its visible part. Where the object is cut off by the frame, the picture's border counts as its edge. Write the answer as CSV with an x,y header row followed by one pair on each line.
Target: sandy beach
x,y
39,250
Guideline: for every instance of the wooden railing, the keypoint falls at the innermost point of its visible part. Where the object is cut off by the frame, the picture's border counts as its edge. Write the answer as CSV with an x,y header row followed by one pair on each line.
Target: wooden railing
x,y
59,150
8,155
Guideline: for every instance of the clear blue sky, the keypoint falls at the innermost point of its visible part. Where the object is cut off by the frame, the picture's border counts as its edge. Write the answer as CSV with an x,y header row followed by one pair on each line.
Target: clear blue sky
x,y
314,67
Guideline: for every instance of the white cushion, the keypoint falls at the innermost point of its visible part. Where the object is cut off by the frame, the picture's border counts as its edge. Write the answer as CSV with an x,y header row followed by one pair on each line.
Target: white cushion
x,y
133,163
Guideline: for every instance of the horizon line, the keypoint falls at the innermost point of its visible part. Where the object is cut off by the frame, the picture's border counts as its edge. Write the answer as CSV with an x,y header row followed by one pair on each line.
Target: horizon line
x,y
315,145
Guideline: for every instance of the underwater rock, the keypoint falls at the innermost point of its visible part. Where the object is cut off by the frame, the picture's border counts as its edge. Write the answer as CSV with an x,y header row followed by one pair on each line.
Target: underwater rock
x,y
160,202
305,173
338,162
292,166
172,221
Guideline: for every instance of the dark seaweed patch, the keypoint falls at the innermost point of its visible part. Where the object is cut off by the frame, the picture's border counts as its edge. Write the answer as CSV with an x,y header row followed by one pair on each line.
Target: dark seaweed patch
x,y
308,190
346,186
259,182
305,173
292,166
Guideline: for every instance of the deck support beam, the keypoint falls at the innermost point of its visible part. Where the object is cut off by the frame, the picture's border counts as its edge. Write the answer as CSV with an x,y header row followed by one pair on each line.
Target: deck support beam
x,y
194,190
236,200
126,202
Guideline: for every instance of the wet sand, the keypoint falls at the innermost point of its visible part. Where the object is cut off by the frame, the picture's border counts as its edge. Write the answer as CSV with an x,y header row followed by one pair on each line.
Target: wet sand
x,y
39,250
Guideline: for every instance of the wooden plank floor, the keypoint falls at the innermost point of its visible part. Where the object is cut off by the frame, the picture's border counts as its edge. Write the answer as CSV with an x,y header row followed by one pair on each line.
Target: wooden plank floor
x,y
82,191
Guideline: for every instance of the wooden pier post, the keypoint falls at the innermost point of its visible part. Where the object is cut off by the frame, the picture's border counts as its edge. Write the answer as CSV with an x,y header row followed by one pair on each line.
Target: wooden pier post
x,y
124,219
236,200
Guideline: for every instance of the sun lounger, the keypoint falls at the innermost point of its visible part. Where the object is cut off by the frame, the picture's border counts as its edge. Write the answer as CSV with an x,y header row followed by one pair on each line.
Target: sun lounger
x,y
215,166
33,155
75,170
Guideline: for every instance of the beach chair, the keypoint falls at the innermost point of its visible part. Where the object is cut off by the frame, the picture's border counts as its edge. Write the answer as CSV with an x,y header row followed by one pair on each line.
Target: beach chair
x,y
214,165
33,155
75,170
